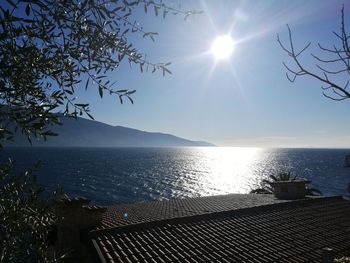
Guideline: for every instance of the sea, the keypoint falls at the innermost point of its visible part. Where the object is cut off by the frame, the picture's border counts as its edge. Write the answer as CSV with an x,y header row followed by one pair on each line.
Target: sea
x,y
128,175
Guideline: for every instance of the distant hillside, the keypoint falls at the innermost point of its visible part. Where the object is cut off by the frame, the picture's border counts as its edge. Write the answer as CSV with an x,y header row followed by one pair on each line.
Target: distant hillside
x,y
88,133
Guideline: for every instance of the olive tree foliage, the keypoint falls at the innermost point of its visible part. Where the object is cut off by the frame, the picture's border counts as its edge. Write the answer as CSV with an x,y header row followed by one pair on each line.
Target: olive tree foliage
x,y
47,47
333,63
25,218
48,50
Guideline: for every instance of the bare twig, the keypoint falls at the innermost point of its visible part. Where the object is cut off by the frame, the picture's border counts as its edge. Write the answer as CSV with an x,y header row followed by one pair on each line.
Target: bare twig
x,y
339,61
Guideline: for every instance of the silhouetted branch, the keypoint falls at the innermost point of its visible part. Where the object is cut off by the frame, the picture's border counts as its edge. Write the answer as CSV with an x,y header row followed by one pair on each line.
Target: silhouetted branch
x,y
47,49
337,64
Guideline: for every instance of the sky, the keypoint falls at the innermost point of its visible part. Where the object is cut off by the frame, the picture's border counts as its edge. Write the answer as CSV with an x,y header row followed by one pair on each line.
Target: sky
x,y
245,100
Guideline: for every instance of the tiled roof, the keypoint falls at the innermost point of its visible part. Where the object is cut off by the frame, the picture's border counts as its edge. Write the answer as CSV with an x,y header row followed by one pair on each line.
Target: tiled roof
x,y
174,208
283,232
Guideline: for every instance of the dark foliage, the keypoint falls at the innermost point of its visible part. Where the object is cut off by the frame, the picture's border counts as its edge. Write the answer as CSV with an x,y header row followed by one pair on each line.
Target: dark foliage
x,y
47,49
26,218
48,46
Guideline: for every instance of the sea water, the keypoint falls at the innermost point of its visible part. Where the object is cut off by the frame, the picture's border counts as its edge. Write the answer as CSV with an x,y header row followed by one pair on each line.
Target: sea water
x,y
128,175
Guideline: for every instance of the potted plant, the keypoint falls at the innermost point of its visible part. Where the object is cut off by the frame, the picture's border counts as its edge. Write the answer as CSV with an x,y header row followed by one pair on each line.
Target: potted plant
x,y
286,186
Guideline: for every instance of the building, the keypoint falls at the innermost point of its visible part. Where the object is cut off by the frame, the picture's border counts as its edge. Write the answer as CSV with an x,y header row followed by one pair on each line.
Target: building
x,y
227,228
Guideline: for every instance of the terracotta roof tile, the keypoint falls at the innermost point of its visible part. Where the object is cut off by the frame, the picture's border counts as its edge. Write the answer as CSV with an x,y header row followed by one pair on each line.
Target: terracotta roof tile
x,y
275,232
125,214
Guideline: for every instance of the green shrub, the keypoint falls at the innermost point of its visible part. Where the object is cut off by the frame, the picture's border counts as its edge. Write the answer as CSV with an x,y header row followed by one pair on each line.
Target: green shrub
x,y
25,218
342,260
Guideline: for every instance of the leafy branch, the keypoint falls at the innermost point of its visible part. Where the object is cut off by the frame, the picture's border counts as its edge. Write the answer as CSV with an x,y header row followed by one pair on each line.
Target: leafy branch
x,y
49,47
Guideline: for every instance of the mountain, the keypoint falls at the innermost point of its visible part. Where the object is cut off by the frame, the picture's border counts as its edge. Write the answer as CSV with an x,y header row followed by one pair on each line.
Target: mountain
x,y
87,133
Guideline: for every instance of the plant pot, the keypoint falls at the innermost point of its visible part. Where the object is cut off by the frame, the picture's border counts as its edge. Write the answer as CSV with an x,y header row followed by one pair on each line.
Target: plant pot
x,y
290,190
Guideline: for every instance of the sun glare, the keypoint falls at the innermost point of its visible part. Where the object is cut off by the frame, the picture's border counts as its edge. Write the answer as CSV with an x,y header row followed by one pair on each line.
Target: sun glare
x,y
222,47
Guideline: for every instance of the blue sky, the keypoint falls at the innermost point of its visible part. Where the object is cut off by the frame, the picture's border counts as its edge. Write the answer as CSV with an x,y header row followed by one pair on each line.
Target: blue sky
x,y
243,101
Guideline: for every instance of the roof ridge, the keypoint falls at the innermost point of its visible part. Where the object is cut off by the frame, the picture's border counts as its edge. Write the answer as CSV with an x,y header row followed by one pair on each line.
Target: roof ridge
x,y
211,215
179,199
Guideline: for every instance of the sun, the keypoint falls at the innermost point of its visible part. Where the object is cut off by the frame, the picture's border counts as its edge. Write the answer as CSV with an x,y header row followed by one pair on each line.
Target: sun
x,y
222,47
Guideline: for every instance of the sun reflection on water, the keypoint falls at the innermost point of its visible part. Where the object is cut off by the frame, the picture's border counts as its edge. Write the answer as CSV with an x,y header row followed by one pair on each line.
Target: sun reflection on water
x,y
127,175
224,170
